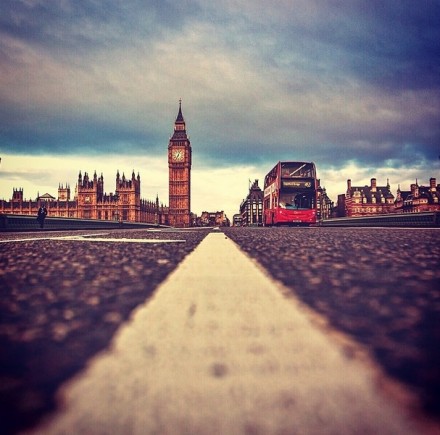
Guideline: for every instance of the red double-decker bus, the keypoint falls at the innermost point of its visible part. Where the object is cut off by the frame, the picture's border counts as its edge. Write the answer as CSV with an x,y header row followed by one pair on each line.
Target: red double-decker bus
x,y
290,194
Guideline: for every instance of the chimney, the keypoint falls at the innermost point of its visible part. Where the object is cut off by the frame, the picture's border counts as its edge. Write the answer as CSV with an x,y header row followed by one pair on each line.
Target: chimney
x,y
348,184
373,185
432,184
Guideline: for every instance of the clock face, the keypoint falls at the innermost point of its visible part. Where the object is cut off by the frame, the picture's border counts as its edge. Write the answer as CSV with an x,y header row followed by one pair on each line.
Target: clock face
x,y
178,155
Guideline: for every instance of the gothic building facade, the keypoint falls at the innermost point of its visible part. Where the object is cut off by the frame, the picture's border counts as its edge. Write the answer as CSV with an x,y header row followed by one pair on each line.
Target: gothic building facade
x,y
91,202
179,166
125,204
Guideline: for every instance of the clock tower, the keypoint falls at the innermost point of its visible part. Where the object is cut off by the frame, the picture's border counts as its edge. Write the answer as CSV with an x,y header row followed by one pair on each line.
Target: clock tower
x,y
179,165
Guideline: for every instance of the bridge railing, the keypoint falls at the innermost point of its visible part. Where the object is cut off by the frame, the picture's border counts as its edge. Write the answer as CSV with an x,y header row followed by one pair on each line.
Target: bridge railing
x,y
423,219
11,222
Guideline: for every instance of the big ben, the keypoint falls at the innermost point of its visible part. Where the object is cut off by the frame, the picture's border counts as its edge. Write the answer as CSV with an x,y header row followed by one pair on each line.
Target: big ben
x,y
179,165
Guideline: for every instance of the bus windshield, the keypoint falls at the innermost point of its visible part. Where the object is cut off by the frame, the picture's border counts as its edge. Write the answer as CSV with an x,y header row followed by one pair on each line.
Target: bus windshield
x,y
297,201
297,170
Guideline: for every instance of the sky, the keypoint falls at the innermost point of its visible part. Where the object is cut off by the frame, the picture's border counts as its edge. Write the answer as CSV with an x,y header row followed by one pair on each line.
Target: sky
x,y
352,85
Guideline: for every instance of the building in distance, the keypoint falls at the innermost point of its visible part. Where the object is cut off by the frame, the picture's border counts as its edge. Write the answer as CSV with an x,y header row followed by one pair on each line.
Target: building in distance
x,y
375,200
213,219
251,208
365,200
419,198
91,202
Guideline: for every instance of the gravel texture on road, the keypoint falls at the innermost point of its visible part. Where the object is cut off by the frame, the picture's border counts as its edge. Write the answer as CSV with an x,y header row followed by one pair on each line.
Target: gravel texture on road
x,y
380,286
61,301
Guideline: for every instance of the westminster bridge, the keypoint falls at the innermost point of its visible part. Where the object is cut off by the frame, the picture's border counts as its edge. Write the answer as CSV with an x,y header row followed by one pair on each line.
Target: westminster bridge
x,y
226,331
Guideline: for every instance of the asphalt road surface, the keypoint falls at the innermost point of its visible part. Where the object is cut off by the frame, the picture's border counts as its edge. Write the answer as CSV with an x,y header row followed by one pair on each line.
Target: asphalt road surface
x,y
379,285
62,299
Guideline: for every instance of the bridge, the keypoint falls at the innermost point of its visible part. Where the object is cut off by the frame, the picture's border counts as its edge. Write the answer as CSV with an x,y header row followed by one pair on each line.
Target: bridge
x,y
13,222
239,331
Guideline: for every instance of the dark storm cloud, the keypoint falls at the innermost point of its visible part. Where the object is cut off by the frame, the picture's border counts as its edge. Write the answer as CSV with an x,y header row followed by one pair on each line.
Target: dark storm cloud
x,y
25,131
391,44
330,81
84,25
53,47
401,43
365,74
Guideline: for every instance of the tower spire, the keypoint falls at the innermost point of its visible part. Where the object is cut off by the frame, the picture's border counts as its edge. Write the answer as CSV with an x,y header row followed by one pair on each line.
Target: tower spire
x,y
179,125
179,118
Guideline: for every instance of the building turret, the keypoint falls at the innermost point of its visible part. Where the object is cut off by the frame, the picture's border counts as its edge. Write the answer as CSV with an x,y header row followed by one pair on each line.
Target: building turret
x,y
63,192
17,195
415,189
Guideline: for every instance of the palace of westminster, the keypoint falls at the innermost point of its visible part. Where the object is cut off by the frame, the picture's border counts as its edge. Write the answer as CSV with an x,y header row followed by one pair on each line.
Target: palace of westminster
x,y
91,202
125,204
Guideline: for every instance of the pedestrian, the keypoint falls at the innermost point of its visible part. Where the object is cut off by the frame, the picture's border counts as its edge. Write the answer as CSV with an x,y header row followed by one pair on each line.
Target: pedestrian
x,y
42,212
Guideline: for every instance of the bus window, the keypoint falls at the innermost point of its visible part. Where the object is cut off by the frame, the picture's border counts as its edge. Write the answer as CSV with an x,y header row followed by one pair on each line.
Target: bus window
x,y
287,201
297,201
297,169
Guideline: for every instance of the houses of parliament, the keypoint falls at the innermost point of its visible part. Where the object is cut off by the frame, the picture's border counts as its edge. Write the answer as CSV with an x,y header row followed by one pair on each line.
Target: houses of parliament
x,y
91,202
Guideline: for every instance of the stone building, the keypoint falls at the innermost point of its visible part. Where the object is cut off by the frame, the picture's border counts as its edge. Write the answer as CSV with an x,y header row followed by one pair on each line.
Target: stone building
x,y
324,204
365,200
91,202
251,208
236,220
213,219
125,204
419,198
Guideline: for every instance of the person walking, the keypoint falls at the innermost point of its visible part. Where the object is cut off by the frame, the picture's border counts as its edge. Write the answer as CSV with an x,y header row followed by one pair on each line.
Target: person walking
x,y
42,213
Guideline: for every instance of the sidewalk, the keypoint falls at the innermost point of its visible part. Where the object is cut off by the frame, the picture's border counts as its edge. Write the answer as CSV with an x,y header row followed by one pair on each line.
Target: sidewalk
x,y
220,350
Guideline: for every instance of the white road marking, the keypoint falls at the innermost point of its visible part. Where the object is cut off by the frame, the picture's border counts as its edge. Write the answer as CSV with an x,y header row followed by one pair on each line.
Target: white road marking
x,y
123,240
94,238
219,349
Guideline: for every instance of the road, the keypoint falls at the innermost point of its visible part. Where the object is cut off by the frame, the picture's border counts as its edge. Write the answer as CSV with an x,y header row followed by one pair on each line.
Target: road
x,y
380,286
64,297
